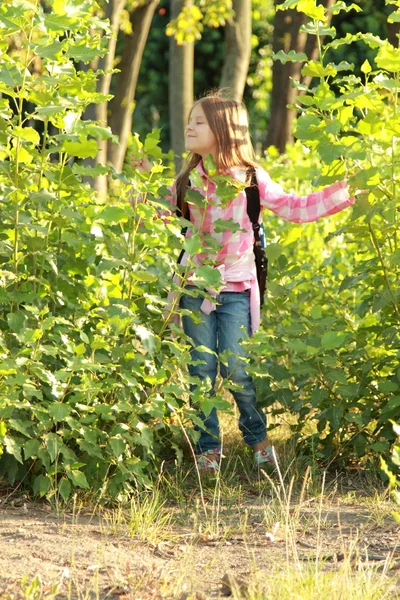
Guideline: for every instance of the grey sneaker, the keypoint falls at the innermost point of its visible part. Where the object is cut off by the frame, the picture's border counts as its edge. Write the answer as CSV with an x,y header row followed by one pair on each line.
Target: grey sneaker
x,y
208,462
266,458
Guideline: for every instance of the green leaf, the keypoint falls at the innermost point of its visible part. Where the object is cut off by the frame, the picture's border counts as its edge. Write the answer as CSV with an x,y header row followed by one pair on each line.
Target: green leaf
x,y
274,251
12,25
316,69
287,4
339,6
316,28
221,225
113,214
310,8
60,23
318,397
379,446
53,51
51,110
207,404
89,170
207,276
80,349
316,312
388,386
30,336
81,149
82,52
308,127
27,133
118,446
11,77
193,245
43,197
20,425
298,346
144,276
147,337
31,448
151,144
196,180
388,58
53,444
291,56
334,416
95,130
333,340
16,321
196,198
90,448
78,478
41,485
58,411
64,488
366,67
394,17
13,447
210,165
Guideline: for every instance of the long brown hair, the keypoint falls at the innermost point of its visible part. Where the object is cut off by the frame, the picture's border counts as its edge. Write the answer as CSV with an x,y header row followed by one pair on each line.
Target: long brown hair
x,y
229,123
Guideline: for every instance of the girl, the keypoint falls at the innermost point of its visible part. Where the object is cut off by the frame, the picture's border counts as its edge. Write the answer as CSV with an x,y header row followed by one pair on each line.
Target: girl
x,y
219,127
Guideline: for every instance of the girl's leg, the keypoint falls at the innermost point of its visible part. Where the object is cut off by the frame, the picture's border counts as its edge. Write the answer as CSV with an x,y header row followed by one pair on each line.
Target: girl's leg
x,y
203,334
233,315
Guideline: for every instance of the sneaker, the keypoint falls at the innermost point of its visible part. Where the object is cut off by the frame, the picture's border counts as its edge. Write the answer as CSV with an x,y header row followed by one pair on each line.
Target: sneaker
x,y
208,462
266,458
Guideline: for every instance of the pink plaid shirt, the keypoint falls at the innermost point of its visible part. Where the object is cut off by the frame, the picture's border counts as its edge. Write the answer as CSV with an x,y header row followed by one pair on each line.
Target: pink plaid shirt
x,y
234,246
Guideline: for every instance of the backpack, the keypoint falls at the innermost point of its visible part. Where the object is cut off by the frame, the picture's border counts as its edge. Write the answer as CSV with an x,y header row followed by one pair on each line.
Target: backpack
x,y
260,257
253,211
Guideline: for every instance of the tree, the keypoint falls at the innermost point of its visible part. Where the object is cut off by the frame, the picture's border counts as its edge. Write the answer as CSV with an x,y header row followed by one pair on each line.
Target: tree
x,y
113,13
122,105
181,67
237,49
121,108
288,37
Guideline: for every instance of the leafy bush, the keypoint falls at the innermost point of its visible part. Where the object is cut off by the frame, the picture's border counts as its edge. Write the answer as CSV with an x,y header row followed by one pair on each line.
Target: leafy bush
x,y
330,345
88,382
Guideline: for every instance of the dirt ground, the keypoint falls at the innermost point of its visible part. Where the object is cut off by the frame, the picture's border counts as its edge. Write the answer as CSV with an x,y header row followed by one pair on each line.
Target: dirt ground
x,y
84,556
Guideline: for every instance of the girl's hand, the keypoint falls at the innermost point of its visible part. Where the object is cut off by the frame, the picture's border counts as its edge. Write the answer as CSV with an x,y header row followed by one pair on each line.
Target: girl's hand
x,y
141,164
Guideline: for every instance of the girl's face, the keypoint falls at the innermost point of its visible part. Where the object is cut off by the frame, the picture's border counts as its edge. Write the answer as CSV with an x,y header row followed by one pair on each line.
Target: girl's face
x,y
198,135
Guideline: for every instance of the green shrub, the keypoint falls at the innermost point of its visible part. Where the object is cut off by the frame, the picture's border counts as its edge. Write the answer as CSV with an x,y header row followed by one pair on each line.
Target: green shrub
x,y
330,343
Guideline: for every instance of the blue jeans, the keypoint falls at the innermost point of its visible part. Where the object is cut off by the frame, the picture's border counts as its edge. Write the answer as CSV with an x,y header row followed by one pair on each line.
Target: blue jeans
x,y
222,330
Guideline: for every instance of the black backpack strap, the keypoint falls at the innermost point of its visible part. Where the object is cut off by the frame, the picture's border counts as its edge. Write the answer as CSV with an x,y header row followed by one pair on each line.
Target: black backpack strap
x,y
253,210
183,229
253,204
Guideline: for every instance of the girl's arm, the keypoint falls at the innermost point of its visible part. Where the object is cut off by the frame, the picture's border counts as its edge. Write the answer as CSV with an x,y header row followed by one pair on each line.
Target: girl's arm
x,y
302,209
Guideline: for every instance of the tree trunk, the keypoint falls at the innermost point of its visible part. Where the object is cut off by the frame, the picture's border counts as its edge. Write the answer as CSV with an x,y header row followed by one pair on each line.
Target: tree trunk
x,y
123,103
287,36
393,29
237,49
114,9
181,67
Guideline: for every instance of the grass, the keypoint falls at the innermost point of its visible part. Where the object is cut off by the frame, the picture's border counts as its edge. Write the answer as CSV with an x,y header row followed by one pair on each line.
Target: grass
x,y
145,518
311,583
